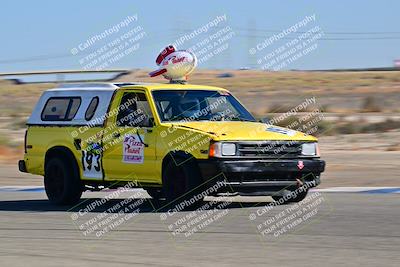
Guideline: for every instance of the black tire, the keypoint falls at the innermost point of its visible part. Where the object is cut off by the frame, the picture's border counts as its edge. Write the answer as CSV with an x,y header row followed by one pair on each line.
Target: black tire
x,y
300,196
181,181
156,193
61,182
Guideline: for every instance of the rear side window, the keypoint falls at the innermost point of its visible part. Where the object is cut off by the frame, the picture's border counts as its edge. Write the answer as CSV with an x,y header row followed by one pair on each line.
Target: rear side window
x,y
61,108
91,108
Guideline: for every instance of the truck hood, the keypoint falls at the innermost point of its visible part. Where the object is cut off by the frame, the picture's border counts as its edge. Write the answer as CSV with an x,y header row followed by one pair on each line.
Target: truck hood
x,y
240,130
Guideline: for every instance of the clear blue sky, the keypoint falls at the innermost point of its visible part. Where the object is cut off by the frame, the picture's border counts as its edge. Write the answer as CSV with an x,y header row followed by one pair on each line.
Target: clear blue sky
x,y
38,35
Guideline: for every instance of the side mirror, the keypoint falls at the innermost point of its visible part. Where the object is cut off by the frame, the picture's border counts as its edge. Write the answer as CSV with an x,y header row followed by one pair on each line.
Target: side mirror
x,y
151,122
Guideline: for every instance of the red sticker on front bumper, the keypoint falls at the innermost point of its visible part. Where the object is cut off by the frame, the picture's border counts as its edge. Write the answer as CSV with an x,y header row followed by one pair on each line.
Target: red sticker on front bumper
x,y
300,164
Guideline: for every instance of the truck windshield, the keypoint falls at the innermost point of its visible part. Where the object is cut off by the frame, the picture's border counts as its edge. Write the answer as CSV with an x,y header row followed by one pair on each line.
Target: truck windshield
x,y
197,105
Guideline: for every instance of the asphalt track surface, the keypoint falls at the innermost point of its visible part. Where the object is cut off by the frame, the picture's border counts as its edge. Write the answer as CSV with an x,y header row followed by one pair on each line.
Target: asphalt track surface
x,y
349,229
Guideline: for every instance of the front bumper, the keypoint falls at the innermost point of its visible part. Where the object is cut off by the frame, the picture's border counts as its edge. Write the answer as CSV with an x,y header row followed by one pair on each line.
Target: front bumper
x,y
262,177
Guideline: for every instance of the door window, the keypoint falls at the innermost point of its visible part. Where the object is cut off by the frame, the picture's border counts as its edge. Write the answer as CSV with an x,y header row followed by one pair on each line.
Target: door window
x,y
134,111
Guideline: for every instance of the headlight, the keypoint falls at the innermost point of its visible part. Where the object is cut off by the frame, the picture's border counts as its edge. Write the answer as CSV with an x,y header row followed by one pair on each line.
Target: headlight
x,y
310,149
219,149
228,149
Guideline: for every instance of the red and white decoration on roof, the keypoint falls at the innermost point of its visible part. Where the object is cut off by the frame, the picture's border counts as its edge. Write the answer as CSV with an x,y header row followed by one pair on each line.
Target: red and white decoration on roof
x,y
175,65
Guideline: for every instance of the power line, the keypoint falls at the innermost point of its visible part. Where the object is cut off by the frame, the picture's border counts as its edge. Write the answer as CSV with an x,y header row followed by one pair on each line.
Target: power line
x,y
279,31
249,34
333,33
52,56
331,39
57,56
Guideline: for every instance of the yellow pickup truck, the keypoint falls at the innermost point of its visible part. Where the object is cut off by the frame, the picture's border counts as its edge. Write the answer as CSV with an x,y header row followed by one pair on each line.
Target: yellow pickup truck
x,y
177,141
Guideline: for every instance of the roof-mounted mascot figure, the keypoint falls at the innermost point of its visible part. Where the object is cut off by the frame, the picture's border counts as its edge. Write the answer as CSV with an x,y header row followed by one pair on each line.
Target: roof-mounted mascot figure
x,y
175,65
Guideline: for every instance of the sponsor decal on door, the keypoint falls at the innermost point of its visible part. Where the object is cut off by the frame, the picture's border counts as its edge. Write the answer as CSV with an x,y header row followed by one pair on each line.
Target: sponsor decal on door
x,y
133,149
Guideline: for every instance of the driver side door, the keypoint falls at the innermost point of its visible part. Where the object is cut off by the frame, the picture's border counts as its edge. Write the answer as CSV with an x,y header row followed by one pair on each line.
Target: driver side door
x,y
130,139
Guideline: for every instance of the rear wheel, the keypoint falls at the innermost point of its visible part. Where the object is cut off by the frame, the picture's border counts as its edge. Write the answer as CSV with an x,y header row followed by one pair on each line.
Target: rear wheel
x,y
62,183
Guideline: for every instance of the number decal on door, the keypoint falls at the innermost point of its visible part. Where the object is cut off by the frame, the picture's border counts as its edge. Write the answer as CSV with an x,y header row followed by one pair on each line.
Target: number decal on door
x,y
91,161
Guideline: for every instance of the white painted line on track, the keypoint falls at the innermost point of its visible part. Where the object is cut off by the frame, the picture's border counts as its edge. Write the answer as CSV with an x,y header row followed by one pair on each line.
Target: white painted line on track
x,y
361,189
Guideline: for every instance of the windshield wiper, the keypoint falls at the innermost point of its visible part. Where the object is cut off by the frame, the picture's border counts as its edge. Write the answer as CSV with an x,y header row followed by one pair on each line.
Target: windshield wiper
x,y
240,119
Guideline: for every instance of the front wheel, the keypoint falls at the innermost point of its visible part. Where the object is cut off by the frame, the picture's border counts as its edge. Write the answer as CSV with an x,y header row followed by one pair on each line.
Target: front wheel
x,y
181,183
61,182
155,193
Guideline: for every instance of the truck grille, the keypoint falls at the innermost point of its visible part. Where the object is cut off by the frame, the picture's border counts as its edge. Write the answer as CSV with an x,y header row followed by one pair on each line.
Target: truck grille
x,y
270,149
